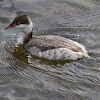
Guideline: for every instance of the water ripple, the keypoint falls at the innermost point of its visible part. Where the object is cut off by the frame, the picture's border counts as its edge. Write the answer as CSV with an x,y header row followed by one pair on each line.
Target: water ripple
x,y
25,77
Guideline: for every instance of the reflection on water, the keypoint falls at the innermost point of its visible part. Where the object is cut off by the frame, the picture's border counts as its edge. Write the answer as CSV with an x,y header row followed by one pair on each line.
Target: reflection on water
x,y
20,53
24,77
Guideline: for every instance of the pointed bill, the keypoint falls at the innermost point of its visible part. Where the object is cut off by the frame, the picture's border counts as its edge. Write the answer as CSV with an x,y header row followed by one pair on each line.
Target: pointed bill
x,y
8,27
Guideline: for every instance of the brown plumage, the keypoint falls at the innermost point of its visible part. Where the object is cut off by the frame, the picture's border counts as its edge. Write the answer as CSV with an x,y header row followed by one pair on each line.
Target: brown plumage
x,y
54,41
51,47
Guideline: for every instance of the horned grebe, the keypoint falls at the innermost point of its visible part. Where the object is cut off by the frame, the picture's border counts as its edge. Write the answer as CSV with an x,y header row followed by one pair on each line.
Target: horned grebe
x,y
51,47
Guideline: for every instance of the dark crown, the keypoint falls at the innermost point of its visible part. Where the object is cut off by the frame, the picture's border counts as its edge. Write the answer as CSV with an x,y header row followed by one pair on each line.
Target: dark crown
x,y
23,19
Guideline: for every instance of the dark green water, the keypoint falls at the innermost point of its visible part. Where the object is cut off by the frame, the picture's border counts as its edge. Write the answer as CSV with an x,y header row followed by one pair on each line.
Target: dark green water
x,y
25,78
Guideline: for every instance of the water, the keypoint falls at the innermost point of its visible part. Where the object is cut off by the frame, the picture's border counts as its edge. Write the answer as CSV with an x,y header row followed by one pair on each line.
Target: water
x,y
25,78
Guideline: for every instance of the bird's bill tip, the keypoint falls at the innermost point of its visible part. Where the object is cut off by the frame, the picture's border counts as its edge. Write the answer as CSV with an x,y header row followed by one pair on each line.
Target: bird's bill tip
x,y
8,27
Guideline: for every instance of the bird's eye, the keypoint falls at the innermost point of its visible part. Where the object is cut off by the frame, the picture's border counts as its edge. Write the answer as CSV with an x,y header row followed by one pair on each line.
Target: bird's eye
x,y
17,23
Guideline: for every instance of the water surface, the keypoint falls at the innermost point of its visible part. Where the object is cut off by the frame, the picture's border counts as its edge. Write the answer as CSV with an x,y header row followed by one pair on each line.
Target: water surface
x,y
23,77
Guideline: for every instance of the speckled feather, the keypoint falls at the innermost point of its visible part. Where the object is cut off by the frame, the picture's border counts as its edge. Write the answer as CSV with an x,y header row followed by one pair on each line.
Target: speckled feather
x,y
55,48
51,47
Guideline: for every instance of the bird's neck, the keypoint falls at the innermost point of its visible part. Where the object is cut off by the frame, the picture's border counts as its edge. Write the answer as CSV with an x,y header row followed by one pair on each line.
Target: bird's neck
x,y
27,33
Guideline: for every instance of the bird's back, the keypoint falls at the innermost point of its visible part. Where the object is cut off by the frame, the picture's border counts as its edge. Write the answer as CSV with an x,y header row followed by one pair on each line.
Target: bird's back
x,y
53,43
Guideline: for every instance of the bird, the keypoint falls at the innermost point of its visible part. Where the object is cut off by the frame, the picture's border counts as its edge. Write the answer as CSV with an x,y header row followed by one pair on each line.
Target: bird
x,y
50,47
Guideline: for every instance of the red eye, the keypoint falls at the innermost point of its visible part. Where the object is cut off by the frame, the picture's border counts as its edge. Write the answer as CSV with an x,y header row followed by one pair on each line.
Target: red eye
x,y
17,23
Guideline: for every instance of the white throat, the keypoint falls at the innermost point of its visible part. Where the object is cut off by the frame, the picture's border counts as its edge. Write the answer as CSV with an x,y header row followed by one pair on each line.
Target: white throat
x,y
28,28
26,31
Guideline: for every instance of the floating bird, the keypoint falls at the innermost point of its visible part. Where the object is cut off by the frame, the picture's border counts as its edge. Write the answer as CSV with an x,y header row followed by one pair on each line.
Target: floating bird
x,y
51,47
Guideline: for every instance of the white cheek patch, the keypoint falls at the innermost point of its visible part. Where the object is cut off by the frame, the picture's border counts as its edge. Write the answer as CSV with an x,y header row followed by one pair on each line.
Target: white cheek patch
x,y
20,26
26,28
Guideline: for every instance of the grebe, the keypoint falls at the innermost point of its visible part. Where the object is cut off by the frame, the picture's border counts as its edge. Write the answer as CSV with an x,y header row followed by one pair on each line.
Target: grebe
x,y
51,47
